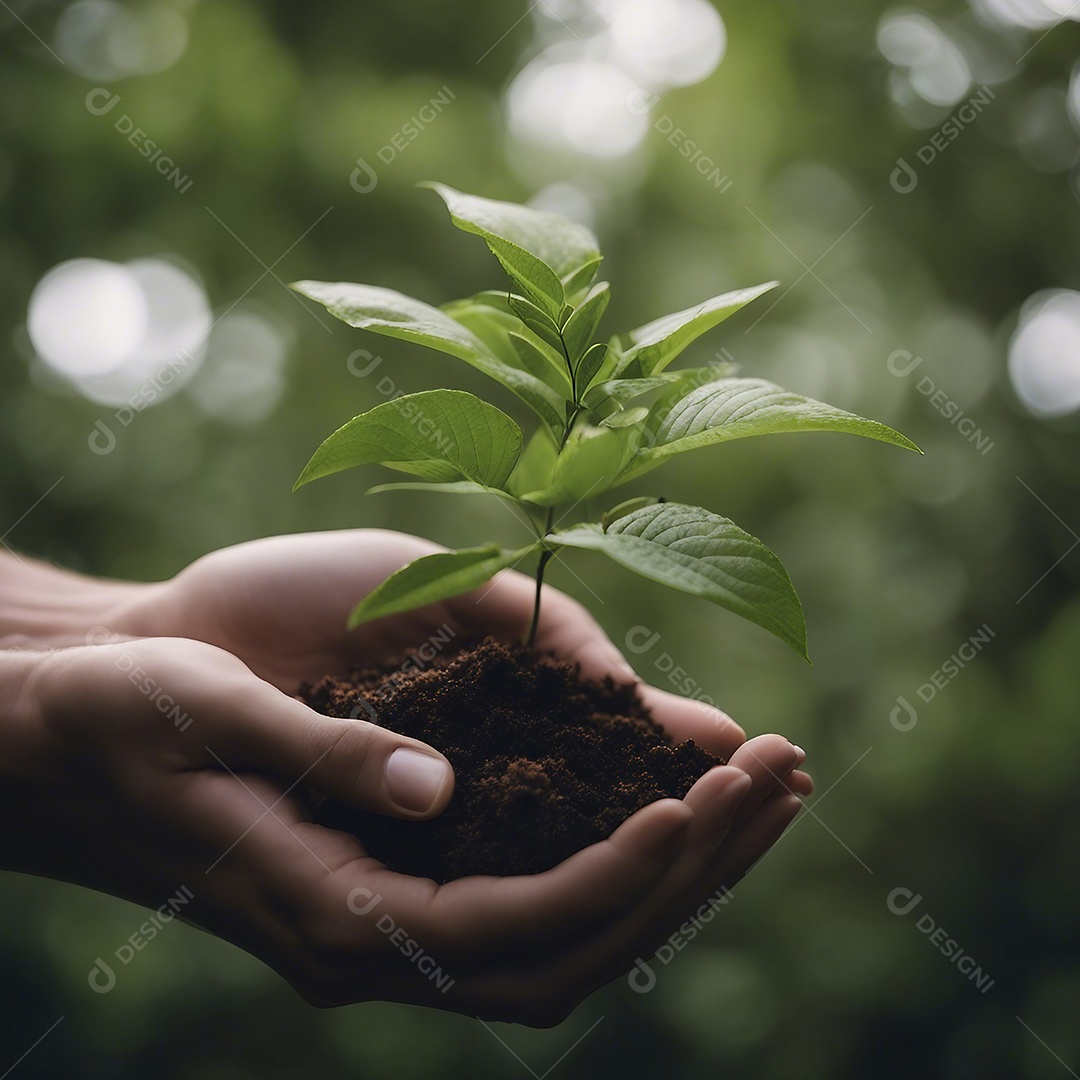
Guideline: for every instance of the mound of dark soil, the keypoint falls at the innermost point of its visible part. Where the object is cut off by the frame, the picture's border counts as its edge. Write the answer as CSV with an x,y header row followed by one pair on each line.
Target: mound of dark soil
x,y
546,764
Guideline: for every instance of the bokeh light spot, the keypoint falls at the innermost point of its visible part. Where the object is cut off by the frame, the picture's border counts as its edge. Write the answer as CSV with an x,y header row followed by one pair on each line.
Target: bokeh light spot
x,y
120,330
86,316
671,42
1044,354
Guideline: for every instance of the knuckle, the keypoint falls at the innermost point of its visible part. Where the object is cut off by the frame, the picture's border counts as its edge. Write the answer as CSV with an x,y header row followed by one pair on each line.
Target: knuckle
x,y
328,955
332,936
350,746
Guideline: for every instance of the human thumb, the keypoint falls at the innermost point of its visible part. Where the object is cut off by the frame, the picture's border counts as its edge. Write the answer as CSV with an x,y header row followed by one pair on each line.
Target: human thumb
x,y
354,761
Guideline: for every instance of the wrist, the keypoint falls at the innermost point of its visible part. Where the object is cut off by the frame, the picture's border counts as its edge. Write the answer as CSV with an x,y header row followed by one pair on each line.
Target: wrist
x,y
44,607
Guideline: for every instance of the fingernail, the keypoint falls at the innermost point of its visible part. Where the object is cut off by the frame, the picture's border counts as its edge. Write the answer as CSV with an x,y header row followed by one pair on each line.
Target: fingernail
x,y
414,780
800,755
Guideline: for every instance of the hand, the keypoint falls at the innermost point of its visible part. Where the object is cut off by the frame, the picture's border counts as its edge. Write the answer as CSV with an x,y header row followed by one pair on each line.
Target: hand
x,y
281,606
108,787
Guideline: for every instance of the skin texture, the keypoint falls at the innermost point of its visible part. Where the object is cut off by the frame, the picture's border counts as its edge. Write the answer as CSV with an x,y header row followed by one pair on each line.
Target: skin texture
x,y
104,789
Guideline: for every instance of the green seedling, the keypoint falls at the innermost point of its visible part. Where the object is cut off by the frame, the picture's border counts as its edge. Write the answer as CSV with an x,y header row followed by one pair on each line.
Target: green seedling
x,y
608,414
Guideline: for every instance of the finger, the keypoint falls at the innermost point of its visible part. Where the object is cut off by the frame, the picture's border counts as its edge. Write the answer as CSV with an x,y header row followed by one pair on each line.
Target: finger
x,y
799,783
470,923
475,917
746,845
540,991
354,761
474,926
259,860
752,843
640,864
715,800
573,971
768,759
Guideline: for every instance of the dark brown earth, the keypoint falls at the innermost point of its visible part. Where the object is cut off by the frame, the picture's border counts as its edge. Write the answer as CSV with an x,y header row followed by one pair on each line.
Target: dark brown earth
x,y
546,764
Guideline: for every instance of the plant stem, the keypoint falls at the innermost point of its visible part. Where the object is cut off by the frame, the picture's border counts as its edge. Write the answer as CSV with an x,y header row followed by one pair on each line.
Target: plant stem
x,y
541,565
546,554
545,558
569,367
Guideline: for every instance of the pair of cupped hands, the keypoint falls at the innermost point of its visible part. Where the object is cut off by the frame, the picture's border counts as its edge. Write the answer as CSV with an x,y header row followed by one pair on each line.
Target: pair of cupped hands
x,y
169,753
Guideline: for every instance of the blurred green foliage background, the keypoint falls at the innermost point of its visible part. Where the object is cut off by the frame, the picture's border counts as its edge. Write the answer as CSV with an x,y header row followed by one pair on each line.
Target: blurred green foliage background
x,y
899,560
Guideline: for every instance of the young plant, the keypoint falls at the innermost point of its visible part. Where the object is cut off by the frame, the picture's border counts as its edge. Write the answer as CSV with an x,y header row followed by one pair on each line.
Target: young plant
x,y
608,414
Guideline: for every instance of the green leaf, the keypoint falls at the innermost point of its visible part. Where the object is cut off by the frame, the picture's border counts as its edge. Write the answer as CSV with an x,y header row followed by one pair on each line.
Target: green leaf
x,y
437,435
533,276
686,379
497,326
491,325
391,313
452,487
433,578
587,465
674,383
589,366
481,312
581,327
494,298
624,508
537,320
385,311
533,357
656,344
705,555
536,466
620,390
625,418
576,284
563,245
738,408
